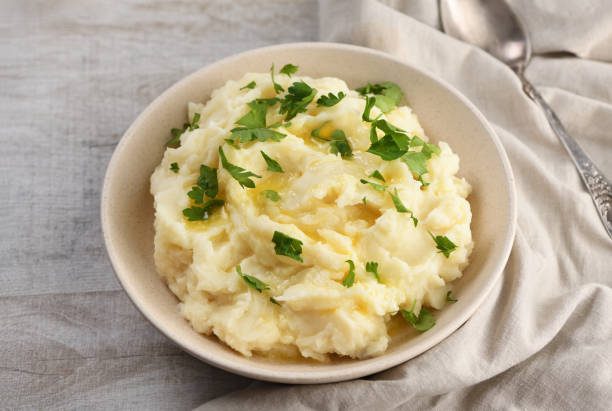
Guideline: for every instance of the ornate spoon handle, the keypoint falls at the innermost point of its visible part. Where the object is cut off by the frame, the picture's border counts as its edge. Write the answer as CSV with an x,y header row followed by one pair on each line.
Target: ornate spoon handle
x,y
598,185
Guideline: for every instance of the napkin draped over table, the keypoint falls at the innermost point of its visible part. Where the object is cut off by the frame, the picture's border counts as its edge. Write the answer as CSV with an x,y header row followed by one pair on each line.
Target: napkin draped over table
x,y
543,337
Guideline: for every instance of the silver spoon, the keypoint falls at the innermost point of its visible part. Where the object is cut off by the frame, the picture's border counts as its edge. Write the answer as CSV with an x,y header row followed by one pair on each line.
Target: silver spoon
x,y
493,26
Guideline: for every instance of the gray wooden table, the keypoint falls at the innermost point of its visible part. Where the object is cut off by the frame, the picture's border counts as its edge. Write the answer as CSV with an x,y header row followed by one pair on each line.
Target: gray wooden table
x,y
73,75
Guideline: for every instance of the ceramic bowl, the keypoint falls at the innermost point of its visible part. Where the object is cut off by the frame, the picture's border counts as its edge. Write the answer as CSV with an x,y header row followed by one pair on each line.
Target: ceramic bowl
x,y
127,205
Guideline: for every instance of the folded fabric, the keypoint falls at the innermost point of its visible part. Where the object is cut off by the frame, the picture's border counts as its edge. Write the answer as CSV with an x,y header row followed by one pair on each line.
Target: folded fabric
x,y
543,338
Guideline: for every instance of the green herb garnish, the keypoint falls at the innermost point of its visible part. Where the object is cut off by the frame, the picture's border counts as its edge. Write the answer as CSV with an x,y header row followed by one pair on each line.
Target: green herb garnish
x,y
443,244
207,184
375,186
350,277
254,125
370,101
287,246
423,322
390,147
251,85
251,281
272,164
277,87
174,167
289,69
449,298
372,267
376,174
196,213
387,95
330,100
238,173
428,149
365,202
299,95
272,300
339,144
175,141
401,208
315,132
271,195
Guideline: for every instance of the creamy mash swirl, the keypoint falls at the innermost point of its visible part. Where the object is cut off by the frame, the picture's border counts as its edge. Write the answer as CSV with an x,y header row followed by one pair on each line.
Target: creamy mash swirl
x,y
307,308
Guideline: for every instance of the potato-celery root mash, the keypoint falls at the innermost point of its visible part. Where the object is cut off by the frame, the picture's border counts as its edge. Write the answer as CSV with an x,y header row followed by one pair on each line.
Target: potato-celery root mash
x,y
296,217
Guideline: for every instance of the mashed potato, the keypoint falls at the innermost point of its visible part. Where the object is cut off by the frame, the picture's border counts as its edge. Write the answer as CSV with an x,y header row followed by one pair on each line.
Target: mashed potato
x,y
307,307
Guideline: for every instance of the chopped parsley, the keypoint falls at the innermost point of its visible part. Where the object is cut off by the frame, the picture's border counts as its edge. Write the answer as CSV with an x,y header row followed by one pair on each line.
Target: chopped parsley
x,y
423,322
390,147
196,213
271,195
449,298
365,201
340,144
175,141
299,95
401,208
287,246
251,281
254,125
277,87
376,174
174,167
207,184
330,100
370,101
272,164
386,95
238,173
272,300
372,267
350,277
375,186
251,85
428,149
315,132
443,244
289,69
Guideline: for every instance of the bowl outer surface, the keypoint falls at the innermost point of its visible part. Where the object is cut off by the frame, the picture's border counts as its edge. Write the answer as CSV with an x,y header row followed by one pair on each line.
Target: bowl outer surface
x,y
127,206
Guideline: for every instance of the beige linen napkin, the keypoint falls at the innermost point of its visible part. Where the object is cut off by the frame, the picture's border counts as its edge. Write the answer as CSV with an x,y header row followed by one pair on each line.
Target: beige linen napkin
x,y
543,338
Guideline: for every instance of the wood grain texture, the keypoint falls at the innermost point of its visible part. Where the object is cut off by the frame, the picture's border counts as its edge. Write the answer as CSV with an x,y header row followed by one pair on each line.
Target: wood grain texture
x,y
73,76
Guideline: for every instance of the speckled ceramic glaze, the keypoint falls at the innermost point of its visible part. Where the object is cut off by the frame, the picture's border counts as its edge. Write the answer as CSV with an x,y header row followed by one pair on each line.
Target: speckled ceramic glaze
x,y
127,206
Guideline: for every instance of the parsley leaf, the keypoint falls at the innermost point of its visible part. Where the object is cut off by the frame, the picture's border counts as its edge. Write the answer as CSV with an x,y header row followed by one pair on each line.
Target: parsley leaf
x,y
238,173
428,149
207,184
256,118
287,246
372,267
208,181
387,95
254,123
388,148
174,167
365,202
330,100
271,195
376,174
289,69
340,144
251,281
272,300
277,87
370,101
269,101
196,213
416,162
272,164
251,85
315,132
299,96
443,244
449,298
401,208
175,141
375,186
423,322
350,277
